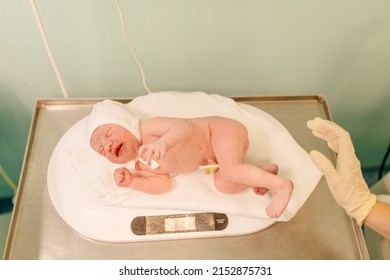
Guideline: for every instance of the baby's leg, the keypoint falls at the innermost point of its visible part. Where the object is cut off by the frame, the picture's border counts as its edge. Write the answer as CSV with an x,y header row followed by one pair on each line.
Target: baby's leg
x,y
230,187
271,168
248,175
226,186
229,143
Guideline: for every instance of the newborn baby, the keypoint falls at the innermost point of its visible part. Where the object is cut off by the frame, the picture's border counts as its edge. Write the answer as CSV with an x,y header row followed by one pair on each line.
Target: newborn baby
x,y
181,145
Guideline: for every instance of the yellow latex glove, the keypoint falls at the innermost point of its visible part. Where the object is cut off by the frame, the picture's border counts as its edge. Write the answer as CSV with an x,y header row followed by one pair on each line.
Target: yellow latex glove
x,y
346,181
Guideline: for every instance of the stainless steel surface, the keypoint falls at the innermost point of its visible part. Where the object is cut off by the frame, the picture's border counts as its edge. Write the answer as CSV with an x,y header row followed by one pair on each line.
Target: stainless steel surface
x,y
320,230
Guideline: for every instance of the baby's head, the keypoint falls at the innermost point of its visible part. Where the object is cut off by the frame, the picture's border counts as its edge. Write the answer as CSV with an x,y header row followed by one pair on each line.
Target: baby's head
x,y
113,131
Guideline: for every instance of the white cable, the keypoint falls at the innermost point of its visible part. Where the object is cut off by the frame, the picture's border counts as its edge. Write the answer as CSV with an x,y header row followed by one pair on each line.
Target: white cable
x,y
131,47
48,48
7,179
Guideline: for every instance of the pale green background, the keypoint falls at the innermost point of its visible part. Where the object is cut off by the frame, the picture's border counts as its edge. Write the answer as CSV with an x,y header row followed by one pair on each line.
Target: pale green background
x,y
339,49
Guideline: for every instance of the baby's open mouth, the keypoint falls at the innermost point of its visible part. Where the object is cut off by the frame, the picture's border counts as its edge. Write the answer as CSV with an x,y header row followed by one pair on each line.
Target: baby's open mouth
x,y
118,149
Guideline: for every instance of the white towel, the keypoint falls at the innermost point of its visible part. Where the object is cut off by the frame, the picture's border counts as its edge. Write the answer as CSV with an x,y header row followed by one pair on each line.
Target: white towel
x,y
269,142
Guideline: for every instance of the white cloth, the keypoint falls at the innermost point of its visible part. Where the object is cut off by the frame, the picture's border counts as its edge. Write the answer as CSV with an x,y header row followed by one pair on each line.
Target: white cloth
x,y
269,141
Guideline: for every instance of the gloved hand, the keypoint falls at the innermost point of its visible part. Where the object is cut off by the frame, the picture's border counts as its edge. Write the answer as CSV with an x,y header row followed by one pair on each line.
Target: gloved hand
x,y
346,181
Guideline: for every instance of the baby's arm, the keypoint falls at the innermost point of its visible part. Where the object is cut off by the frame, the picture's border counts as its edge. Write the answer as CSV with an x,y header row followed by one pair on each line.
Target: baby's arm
x,y
146,182
171,131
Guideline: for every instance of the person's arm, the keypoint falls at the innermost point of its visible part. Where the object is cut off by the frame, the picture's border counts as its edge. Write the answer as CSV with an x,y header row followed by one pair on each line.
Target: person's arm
x,y
171,131
378,219
345,181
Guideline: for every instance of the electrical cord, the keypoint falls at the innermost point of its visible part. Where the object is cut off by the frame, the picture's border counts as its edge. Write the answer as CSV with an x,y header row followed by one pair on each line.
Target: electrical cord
x,y
48,48
383,164
6,205
51,56
7,179
131,46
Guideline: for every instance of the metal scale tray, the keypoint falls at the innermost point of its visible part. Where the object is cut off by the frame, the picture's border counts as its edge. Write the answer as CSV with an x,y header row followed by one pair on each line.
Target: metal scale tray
x,y
320,230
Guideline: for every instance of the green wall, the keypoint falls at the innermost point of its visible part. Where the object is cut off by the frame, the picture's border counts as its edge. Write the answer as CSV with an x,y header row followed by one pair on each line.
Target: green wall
x,y
339,49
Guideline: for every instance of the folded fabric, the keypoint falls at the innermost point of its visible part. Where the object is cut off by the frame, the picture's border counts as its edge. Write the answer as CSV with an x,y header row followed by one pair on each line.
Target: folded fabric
x,y
269,142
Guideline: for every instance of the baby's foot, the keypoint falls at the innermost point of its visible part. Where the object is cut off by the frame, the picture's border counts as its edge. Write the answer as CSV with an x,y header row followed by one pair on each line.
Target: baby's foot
x,y
279,200
260,191
271,168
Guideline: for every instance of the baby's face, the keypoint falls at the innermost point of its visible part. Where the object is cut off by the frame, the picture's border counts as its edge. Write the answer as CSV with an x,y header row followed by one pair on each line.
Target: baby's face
x,y
115,143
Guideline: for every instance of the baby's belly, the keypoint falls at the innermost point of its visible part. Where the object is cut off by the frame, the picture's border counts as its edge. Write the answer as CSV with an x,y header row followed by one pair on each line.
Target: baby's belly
x,y
184,162
188,156
180,166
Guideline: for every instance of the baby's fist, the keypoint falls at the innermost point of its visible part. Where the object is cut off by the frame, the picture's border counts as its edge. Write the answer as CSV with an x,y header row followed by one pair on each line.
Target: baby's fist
x,y
122,177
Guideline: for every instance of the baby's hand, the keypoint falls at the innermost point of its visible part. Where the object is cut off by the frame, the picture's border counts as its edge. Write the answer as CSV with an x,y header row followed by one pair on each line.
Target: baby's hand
x,y
155,151
123,177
